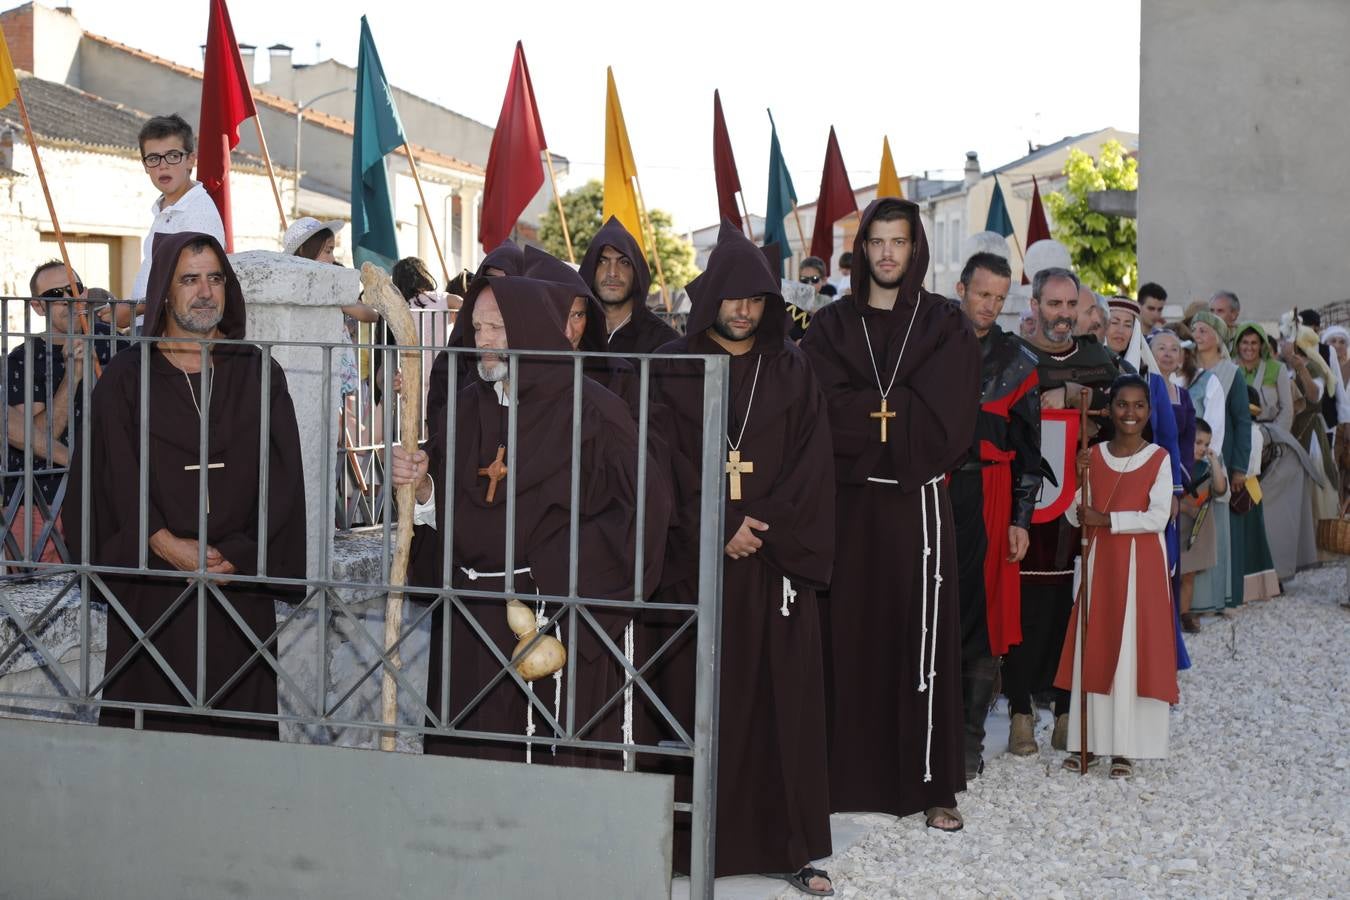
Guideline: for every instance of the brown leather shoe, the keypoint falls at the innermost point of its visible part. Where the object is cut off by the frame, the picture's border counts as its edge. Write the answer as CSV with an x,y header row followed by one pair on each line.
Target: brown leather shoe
x,y
1022,735
1190,623
1059,738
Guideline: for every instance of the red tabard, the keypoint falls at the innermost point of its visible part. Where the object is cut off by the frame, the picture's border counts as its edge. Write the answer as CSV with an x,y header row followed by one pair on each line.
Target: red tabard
x,y
1109,580
1002,584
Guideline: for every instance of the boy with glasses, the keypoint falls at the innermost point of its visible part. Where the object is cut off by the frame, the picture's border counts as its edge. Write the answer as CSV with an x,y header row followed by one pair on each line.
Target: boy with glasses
x,y
168,153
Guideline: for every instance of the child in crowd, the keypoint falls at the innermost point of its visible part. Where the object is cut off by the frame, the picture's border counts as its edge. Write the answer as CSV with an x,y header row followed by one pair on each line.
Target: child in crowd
x,y
1199,550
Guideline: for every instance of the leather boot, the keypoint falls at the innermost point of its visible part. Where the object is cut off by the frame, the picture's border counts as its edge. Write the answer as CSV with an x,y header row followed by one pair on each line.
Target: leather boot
x,y
1059,738
1022,735
978,676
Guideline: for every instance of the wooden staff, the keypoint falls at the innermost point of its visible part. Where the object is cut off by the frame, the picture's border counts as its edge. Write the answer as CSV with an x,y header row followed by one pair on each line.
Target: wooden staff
x,y
557,198
801,233
1085,399
426,211
651,234
271,176
81,318
749,225
380,294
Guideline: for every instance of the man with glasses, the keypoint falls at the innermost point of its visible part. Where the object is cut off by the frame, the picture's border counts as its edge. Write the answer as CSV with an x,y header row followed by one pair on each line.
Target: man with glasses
x,y
169,155
811,273
54,401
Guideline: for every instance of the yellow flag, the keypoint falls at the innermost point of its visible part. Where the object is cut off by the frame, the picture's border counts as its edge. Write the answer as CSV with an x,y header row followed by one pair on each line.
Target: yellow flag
x,y
888,184
9,82
620,170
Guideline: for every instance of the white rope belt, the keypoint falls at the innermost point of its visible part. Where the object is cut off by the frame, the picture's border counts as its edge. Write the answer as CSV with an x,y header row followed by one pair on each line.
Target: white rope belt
x,y
926,679
474,575
877,480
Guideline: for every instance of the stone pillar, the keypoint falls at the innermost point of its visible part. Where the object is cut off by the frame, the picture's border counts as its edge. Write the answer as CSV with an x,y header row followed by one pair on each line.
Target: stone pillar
x,y
294,299
468,226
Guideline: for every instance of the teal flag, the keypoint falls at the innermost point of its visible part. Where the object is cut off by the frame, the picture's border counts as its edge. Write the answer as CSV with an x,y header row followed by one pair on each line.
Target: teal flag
x,y
998,219
378,132
782,197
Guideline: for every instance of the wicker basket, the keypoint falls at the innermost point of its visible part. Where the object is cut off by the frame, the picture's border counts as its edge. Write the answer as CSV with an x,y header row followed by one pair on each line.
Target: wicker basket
x,y
1333,536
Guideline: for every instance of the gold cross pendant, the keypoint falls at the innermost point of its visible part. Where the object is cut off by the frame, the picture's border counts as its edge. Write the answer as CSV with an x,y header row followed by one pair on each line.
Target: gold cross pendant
x,y
735,469
883,414
208,490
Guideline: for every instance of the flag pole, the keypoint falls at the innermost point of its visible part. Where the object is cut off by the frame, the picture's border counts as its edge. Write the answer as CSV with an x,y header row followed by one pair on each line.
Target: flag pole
x,y
426,210
557,198
271,176
651,234
801,232
749,225
56,225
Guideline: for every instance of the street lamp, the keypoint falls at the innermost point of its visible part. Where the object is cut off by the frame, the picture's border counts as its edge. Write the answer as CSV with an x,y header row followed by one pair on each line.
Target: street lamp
x,y
299,122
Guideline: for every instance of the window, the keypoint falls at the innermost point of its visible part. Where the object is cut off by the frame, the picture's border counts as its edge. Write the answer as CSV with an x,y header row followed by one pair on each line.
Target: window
x,y
956,236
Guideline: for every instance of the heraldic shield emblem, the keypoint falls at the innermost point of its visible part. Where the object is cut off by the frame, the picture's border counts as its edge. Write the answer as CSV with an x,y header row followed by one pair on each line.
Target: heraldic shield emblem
x,y
1059,448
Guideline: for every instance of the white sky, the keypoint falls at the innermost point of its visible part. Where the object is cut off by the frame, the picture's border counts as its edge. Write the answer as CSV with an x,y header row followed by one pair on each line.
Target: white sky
x,y
939,78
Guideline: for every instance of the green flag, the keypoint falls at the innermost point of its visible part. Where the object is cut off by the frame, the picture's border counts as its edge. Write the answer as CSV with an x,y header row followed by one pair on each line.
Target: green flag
x,y
782,197
378,132
998,219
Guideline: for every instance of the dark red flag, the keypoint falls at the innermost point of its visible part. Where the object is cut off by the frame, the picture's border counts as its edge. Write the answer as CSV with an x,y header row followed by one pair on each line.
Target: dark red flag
x,y
514,171
724,167
227,101
1038,229
835,201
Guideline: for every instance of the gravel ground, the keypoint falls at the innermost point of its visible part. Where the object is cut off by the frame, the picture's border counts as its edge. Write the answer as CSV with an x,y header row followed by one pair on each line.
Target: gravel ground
x,y
1253,801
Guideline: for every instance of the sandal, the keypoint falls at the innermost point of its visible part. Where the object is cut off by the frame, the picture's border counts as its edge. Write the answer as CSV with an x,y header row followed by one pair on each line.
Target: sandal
x,y
1071,762
801,880
936,812
1121,767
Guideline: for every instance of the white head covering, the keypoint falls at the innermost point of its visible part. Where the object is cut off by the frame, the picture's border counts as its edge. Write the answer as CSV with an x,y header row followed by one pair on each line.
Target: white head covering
x,y
304,228
1139,354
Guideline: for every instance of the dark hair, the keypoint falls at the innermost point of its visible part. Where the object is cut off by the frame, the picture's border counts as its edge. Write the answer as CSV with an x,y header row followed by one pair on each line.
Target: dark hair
x,y
814,262
1310,317
314,243
1039,280
411,277
1231,297
1130,380
990,262
49,264
846,259
1152,289
161,127
890,211
1202,425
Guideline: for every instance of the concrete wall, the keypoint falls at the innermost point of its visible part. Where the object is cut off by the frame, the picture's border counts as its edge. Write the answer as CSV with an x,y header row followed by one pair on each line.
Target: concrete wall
x,y
1243,136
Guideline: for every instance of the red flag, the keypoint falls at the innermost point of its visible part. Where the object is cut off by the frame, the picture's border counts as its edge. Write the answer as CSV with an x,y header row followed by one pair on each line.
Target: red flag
x,y
835,201
227,101
514,173
724,167
1038,229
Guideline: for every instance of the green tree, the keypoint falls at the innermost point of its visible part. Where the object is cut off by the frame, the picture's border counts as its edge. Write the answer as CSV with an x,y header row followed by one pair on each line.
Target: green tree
x,y
1102,247
583,207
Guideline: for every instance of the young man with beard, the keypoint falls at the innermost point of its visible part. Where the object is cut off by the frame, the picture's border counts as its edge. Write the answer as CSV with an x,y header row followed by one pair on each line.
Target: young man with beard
x,y
1065,365
993,494
616,270
900,368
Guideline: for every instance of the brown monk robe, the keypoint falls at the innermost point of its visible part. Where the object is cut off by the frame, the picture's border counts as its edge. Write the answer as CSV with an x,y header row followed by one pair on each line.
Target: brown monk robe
x,y
616,269
517,313
911,373
773,812
193,292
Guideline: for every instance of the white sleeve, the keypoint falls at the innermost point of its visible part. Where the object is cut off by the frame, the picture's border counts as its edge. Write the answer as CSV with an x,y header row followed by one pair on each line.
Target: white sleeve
x,y
201,215
1072,512
1342,401
425,513
1258,444
1154,519
1216,411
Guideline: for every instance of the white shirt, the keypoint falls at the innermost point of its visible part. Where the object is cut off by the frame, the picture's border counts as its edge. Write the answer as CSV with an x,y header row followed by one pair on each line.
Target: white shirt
x,y
194,211
1152,520
425,513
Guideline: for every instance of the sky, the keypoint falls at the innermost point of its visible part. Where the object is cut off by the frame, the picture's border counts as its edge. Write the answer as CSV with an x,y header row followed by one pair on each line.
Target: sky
x,y
939,79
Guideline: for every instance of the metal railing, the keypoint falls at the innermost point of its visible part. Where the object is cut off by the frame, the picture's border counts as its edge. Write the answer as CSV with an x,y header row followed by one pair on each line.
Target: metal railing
x,y
86,585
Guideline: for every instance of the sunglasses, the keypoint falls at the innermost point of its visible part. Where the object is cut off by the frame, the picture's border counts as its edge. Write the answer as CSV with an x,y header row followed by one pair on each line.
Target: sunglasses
x,y
810,279
173,158
57,293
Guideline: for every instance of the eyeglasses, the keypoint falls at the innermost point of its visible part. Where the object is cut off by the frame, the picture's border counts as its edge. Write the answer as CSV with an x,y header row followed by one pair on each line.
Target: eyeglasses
x,y
57,293
173,158
810,279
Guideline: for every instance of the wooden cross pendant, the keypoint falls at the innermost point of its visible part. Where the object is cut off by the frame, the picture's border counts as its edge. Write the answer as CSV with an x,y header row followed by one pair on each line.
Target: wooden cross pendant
x,y
883,414
495,472
208,491
735,469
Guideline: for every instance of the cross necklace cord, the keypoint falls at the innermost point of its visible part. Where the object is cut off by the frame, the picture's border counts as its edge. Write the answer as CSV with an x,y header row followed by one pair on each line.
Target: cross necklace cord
x,y
197,468
736,467
885,413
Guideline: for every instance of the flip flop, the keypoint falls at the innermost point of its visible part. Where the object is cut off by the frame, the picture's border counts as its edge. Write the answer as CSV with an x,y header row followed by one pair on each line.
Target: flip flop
x,y
1121,768
801,880
1071,762
934,813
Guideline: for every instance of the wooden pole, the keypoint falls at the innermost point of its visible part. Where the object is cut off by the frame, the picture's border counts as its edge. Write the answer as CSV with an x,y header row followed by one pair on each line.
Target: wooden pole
x,y
426,211
557,198
81,317
271,176
1084,399
801,232
651,235
749,224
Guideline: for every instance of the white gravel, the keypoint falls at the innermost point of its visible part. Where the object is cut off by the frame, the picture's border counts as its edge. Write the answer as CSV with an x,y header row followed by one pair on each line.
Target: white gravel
x,y
1253,801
